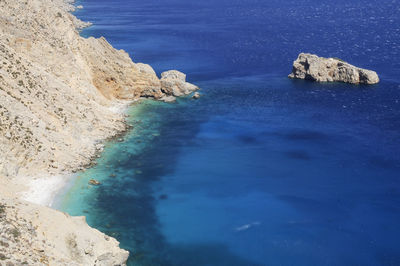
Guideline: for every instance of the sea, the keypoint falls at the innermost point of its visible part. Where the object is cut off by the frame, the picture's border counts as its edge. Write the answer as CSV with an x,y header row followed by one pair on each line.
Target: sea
x,y
262,169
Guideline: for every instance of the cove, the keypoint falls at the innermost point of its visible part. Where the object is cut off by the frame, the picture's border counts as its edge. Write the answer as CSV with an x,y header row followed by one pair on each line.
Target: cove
x,y
261,170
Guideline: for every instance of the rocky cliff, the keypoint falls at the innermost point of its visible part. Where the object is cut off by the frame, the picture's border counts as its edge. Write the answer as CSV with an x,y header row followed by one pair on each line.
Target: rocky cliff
x,y
312,67
56,88
35,235
58,96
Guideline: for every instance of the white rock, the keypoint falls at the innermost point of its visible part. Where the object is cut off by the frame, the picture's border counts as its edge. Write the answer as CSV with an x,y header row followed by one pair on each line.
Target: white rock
x,y
196,95
174,83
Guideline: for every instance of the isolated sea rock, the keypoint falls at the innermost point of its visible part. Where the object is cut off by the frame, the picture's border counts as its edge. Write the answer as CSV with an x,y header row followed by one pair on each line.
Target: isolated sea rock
x,y
174,83
320,69
196,96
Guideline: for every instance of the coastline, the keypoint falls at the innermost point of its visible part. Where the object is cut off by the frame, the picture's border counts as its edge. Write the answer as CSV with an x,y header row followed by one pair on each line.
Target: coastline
x,y
63,96
33,200
47,190
97,170
29,195
44,189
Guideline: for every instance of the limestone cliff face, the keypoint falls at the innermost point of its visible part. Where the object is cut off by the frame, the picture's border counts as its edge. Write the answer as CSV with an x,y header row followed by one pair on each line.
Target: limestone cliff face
x,y
115,75
56,88
312,67
58,93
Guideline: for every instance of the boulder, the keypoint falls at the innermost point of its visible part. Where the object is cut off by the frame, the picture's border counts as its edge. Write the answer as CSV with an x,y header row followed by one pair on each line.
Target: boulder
x,y
174,83
320,69
196,96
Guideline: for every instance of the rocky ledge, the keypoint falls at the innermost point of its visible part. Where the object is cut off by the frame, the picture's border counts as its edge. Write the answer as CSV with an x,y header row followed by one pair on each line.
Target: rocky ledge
x,y
320,69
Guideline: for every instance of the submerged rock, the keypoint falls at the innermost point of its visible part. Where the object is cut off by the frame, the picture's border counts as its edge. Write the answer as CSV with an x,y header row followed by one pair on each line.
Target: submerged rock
x,y
94,182
174,83
320,69
163,197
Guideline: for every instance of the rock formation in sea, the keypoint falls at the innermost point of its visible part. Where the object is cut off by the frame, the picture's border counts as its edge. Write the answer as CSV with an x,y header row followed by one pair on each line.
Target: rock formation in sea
x,y
174,83
59,98
315,68
196,96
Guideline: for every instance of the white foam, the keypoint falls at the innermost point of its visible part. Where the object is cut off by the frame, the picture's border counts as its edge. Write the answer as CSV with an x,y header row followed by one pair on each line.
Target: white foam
x,y
247,226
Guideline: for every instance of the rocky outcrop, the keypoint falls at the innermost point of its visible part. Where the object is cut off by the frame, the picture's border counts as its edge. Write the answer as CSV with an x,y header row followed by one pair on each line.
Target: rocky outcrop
x,y
174,83
114,74
37,235
312,67
196,96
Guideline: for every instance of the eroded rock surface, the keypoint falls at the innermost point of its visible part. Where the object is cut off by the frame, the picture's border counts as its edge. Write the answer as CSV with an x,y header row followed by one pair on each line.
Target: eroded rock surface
x,y
174,83
58,90
315,68
37,235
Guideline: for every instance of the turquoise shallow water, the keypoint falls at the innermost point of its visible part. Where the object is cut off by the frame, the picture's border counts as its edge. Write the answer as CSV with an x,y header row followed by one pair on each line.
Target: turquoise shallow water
x,y
77,199
262,170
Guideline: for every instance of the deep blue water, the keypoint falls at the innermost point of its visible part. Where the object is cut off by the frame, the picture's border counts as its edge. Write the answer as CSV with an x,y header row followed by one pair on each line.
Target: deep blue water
x,y
262,170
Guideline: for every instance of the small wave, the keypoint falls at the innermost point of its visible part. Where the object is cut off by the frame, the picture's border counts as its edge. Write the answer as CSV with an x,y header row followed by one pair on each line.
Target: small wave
x,y
246,226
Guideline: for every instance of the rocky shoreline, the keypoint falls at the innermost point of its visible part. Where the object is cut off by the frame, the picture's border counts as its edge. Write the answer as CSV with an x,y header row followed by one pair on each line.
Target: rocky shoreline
x,y
60,97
